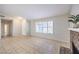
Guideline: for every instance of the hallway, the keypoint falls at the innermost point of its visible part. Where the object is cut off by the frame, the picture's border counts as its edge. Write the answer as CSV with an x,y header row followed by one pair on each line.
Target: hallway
x,y
6,28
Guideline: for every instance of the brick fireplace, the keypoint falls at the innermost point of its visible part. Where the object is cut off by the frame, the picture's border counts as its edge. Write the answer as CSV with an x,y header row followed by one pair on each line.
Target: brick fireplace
x,y
74,40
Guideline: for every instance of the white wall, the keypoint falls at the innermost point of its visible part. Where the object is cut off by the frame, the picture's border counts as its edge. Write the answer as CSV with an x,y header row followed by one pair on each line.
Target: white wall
x,y
61,26
75,9
25,27
17,30
20,27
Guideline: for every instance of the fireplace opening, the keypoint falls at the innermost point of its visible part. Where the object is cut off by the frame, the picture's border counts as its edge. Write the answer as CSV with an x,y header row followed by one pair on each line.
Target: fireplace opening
x,y
74,49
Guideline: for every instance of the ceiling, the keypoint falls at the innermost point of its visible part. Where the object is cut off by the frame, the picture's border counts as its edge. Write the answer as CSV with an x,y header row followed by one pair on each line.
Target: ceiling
x,y
35,11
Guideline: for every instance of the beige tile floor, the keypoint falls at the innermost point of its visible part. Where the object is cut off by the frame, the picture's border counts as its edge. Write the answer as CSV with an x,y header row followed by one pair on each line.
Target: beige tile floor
x,y
29,45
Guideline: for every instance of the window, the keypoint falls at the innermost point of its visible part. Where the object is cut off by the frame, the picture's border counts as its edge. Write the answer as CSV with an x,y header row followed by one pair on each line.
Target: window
x,y
44,27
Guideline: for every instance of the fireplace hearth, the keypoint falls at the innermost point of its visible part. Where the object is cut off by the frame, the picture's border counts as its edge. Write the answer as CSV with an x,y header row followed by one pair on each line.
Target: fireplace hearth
x,y
74,49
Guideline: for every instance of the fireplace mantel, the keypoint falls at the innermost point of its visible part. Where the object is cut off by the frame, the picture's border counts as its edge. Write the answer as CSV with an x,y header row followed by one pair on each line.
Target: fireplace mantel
x,y
74,29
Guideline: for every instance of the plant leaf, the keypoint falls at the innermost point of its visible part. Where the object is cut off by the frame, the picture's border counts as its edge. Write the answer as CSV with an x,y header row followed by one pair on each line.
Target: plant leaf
x,y
72,17
70,20
77,20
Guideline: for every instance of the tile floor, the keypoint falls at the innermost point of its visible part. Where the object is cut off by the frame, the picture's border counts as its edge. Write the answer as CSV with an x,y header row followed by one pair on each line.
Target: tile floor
x,y
29,45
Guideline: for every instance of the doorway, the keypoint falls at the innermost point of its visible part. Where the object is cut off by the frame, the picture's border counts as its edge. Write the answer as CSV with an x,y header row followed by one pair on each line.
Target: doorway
x,y
6,28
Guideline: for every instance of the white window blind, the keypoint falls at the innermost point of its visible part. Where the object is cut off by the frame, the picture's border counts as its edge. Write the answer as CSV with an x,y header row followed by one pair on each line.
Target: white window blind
x,y
44,27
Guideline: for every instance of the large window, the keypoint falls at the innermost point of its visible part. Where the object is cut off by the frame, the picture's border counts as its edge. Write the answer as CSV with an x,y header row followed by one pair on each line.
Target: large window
x,y
44,27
